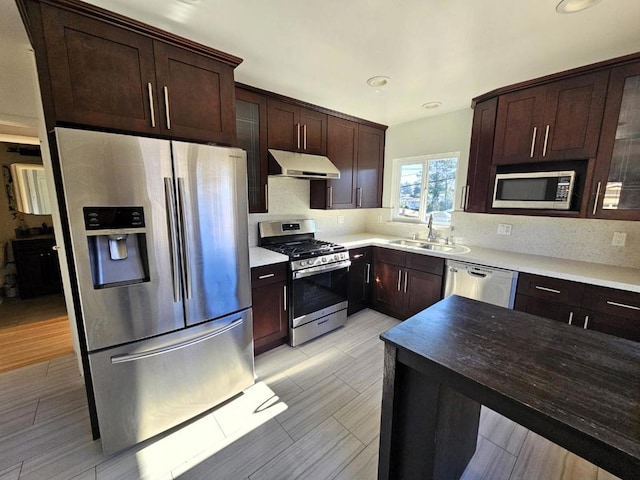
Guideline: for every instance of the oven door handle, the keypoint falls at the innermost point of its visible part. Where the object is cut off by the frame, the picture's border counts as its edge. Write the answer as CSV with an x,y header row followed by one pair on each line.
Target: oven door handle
x,y
307,272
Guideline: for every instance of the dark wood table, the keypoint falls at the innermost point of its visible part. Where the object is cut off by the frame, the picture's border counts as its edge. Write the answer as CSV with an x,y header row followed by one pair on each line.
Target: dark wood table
x,y
578,388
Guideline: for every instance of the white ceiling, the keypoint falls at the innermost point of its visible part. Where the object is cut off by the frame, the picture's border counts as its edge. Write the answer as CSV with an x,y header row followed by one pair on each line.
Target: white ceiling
x,y
323,51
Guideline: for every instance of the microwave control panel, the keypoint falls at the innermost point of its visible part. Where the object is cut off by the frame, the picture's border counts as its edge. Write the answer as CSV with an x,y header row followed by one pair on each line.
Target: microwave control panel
x,y
562,192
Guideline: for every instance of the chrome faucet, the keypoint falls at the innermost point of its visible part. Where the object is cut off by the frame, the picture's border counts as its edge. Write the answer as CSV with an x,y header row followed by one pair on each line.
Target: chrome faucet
x,y
431,236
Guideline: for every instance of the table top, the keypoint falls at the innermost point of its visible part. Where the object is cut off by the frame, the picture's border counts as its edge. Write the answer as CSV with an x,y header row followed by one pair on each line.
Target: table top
x,y
579,388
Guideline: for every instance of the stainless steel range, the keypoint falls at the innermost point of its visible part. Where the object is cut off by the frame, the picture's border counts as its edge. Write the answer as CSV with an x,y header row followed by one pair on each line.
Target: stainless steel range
x,y
317,282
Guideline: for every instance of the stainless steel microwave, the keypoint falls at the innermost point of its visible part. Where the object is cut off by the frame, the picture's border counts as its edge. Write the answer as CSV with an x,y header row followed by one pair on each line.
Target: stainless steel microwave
x,y
534,190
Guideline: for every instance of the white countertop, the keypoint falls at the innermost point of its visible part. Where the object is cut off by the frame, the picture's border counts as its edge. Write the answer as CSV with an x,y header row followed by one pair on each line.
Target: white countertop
x,y
592,273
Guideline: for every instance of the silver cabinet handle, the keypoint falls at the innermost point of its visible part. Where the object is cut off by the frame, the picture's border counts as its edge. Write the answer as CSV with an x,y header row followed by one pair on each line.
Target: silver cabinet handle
x,y
166,107
368,273
329,197
186,255
268,275
359,197
266,196
304,137
298,135
533,141
623,305
284,297
586,322
570,317
56,248
173,240
545,289
406,281
399,278
546,140
152,110
595,202
360,255
130,357
462,197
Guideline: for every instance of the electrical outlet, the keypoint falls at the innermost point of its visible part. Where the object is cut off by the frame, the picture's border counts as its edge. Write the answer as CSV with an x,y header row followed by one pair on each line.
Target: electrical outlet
x,y
504,229
379,218
340,219
619,239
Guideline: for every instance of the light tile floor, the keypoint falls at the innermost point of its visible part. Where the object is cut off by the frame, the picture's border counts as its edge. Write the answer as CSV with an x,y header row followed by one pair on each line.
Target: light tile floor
x,y
313,414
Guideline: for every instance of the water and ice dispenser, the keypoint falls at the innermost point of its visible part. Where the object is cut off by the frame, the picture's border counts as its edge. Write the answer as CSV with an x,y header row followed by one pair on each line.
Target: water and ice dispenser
x,y
117,245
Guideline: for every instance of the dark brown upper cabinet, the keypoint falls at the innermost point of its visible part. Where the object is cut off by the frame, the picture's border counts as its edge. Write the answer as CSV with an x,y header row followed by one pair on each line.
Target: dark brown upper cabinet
x,y
357,150
296,129
251,128
475,194
557,121
101,70
616,185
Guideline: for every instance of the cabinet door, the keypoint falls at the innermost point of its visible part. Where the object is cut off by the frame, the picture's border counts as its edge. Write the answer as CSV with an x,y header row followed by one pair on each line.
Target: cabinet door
x,y
251,128
478,191
421,291
560,312
518,126
197,96
369,167
269,316
386,294
284,126
573,117
359,279
342,150
616,186
313,134
101,75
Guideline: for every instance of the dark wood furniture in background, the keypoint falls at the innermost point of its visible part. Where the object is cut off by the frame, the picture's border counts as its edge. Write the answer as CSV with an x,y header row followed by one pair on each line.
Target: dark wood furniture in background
x,y
360,276
269,301
296,129
405,283
557,381
101,70
585,116
38,267
607,310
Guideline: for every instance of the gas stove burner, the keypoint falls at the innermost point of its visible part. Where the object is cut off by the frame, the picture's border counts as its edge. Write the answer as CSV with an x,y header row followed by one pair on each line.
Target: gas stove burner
x,y
305,248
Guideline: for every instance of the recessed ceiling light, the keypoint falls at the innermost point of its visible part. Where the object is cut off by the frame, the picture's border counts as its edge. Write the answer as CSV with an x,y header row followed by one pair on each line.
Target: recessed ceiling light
x,y
572,6
378,81
431,105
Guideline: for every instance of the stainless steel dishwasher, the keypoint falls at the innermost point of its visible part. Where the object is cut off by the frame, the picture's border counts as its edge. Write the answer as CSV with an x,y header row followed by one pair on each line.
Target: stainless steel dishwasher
x,y
487,284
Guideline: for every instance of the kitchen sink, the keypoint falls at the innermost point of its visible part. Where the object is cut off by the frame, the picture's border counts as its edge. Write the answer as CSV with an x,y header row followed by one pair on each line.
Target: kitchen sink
x,y
436,247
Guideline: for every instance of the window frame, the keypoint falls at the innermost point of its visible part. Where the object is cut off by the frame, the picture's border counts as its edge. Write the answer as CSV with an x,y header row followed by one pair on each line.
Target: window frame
x,y
424,159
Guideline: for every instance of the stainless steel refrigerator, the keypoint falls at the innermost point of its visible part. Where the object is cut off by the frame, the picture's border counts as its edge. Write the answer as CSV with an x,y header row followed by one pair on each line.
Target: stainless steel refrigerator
x,y
160,250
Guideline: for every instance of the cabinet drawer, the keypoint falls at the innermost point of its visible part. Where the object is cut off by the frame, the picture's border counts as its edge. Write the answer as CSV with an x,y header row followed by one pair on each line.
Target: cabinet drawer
x,y
560,312
268,274
425,263
553,289
614,302
360,254
393,257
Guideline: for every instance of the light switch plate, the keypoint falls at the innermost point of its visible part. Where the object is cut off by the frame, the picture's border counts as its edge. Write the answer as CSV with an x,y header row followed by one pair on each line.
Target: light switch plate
x,y
619,239
340,219
504,229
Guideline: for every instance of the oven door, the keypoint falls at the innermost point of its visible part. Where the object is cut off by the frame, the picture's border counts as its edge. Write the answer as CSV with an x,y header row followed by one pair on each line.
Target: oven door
x,y
317,292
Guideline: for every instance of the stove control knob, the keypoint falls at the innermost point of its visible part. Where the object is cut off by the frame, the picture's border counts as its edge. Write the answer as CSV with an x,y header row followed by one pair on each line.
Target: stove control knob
x,y
324,259
302,263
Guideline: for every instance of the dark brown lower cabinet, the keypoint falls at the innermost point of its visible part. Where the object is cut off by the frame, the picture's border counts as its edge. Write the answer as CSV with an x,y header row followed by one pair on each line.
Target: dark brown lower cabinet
x,y
405,283
360,274
37,266
269,298
606,310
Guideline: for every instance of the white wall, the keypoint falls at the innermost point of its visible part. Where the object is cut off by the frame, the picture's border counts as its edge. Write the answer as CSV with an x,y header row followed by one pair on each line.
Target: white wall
x,y
576,239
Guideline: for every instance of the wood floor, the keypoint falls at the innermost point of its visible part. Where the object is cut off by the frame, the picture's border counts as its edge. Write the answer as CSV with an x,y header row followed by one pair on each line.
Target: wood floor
x,y
33,331
313,414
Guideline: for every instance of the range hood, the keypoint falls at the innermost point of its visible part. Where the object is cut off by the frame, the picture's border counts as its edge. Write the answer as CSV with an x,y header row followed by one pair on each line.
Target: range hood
x,y
301,165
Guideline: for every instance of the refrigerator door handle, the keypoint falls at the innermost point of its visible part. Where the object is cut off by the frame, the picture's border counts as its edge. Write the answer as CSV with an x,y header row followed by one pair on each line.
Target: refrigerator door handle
x,y
173,240
131,357
183,237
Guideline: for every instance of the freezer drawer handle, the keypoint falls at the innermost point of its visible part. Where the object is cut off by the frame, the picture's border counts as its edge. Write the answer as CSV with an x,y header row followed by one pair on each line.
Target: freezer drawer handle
x,y
131,357
173,241
616,304
546,289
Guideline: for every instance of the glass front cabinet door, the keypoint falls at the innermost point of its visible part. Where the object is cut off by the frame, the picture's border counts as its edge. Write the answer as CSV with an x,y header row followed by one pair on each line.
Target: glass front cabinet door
x,y
616,185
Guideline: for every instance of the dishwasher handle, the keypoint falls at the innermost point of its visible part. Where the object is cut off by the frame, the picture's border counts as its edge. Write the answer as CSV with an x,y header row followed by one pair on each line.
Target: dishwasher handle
x,y
477,273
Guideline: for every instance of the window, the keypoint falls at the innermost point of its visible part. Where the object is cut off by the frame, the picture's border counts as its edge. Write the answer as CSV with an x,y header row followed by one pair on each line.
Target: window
x,y
425,186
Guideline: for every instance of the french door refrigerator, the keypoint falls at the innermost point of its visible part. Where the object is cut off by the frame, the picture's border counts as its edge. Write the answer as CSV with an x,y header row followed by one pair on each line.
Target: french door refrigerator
x,y
158,231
